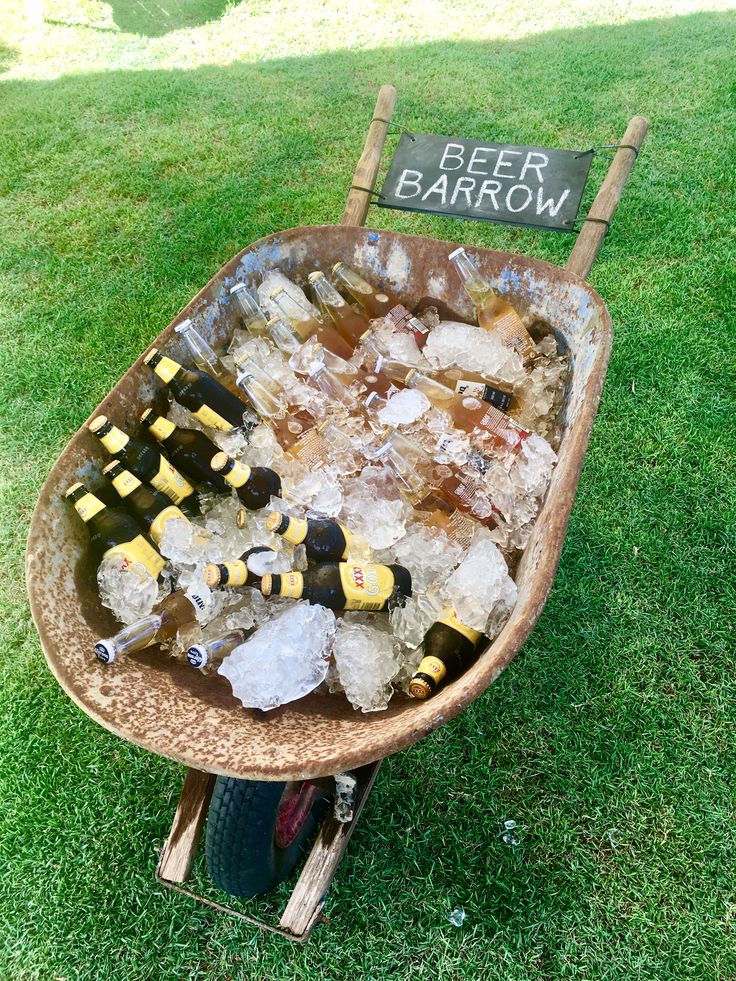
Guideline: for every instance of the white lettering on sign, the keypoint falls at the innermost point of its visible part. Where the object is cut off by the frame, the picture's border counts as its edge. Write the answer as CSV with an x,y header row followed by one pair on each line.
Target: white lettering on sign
x,y
528,165
550,205
475,158
453,156
501,163
464,186
414,181
525,201
491,188
439,187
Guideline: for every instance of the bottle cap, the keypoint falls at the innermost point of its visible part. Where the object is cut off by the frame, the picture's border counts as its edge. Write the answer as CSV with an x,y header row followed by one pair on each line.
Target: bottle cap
x,y
456,252
266,584
144,417
151,354
337,265
212,574
277,292
219,461
110,466
97,423
70,490
410,374
419,688
315,275
105,651
197,653
274,519
184,325
241,518
237,288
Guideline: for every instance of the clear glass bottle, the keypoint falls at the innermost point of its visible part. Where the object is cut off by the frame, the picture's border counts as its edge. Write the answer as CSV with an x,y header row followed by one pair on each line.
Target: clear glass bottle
x,y
204,356
250,314
178,609
375,302
209,655
307,326
351,326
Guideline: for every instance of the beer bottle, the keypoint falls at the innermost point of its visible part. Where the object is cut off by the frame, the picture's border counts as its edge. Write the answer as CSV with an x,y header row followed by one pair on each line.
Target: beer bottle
x,y
146,462
248,366
324,540
209,655
376,303
177,610
209,401
250,314
204,356
283,335
403,321
449,648
350,325
236,573
255,486
492,311
307,326
343,585
153,509
313,353
484,423
190,449
113,533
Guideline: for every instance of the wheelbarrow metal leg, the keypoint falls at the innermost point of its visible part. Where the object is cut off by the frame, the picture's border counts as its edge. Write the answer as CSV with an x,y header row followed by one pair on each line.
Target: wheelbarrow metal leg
x,y
177,855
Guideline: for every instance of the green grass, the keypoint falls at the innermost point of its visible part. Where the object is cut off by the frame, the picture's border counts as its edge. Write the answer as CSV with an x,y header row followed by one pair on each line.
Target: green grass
x,y
610,740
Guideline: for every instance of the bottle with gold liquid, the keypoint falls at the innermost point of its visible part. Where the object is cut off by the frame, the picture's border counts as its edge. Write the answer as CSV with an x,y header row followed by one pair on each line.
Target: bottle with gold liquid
x,y
349,324
283,335
324,540
178,609
306,325
492,311
209,655
484,423
209,401
190,449
204,356
343,585
450,647
239,572
250,314
375,302
152,508
147,463
114,534
255,486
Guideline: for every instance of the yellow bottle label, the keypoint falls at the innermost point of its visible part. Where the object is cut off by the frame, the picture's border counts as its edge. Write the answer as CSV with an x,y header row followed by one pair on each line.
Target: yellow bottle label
x,y
433,667
450,619
208,417
88,506
239,475
162,428
115,440
166,369
292,584
170,482
125,483
296,531
237,572
159,522
366,586
137,550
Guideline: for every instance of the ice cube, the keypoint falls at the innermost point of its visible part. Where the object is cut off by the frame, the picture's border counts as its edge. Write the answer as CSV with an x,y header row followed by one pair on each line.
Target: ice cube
x,y
480,590
319,492
366,663
428,553
457,917
404,407
130,592
284,659
453,344
373,509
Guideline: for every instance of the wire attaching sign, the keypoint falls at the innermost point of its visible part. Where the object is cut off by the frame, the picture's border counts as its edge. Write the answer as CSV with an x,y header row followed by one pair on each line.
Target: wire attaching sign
x,y
514,185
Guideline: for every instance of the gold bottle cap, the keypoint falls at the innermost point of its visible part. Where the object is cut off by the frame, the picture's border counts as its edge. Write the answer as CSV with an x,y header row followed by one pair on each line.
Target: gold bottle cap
x,y
111,464
273,520
74,487
219,460
212,575
419,688
322,426
337,265
97,423
410,374
145,414
313,276
151,353
274,320
266,584
277,292
241,518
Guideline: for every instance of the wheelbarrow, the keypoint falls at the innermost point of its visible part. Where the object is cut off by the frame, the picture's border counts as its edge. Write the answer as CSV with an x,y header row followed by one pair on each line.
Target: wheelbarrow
x,y
262,776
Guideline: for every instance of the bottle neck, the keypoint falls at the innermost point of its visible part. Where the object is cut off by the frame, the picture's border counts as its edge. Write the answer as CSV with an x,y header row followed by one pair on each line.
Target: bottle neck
x,y
123,481
165,368
134,638
236,474
161,428
86,504
112,438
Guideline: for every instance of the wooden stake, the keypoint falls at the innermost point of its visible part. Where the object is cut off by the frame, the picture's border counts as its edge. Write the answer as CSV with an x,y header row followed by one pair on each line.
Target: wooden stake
x,y
177,855
366,172
592,233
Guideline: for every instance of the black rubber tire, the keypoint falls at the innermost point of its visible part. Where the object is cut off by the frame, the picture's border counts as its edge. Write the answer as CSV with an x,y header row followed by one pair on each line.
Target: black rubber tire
x,y
242,857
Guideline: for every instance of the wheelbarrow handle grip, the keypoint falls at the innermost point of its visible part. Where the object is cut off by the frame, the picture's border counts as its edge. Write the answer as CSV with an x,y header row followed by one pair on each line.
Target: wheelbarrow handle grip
x,y
366,172
601,213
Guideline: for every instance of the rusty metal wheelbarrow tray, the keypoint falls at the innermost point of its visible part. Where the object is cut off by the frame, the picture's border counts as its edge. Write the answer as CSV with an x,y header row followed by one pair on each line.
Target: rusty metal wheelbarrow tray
x,y
171,710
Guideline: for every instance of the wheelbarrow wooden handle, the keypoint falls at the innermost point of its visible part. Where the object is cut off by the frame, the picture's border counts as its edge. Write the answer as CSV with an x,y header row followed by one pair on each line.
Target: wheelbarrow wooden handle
x,y
364,178
606,201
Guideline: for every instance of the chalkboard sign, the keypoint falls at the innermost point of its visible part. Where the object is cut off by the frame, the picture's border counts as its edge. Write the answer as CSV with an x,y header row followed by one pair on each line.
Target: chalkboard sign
x,y
515,185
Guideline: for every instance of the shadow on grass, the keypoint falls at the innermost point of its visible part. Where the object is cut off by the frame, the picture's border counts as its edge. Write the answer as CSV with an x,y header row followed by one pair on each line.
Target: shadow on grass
x,y
153,18
8,57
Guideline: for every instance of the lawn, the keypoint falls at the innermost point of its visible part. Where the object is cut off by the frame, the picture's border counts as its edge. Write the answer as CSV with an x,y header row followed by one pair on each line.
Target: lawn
x,y
138,155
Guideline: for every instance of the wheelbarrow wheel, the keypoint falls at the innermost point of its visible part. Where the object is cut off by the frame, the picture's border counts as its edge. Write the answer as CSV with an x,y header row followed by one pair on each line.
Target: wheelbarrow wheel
x,y
257,831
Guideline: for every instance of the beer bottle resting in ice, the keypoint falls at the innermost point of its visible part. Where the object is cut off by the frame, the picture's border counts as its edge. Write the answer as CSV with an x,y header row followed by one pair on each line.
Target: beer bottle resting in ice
x,y
324,540
114,534
147,463
255,486
209,655
178,609
209,401
343,585
152,508
190,449
350,325
306,326
449,648
204,356
240,572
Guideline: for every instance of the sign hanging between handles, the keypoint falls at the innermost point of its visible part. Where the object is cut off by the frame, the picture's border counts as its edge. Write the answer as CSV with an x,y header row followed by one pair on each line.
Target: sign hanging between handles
x,y
530,186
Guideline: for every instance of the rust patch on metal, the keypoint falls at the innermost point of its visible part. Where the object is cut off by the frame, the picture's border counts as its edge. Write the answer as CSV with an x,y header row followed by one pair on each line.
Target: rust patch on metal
x,y
171,710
